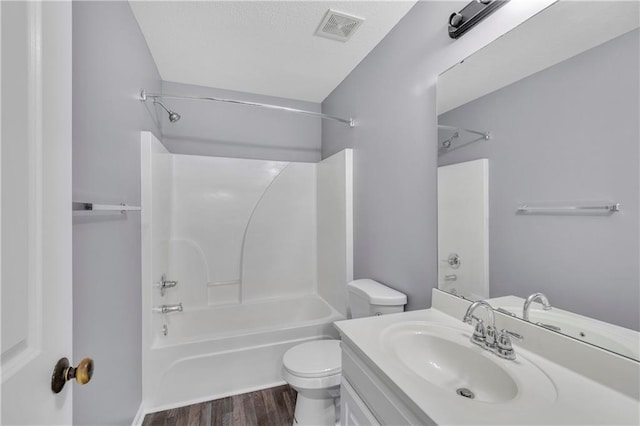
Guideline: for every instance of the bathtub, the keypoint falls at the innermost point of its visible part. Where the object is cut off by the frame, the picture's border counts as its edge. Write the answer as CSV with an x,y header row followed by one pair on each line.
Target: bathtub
x,y
210,353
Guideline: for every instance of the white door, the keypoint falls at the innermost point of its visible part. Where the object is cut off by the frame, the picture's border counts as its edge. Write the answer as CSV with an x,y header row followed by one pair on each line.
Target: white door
x,y
35,167
463,229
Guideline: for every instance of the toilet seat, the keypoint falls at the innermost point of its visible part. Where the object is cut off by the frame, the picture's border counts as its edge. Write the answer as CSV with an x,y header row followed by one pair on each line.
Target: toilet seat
x,y
317,359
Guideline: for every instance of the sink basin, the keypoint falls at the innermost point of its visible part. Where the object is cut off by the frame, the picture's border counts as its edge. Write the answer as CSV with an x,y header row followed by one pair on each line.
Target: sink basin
x,y
444,357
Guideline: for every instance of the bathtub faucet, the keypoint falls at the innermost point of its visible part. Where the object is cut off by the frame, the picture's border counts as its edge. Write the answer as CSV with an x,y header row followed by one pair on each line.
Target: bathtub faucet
x,y
165,309
165,284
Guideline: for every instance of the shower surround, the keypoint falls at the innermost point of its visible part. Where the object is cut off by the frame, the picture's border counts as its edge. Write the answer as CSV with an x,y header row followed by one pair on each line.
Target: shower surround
x,y
262,253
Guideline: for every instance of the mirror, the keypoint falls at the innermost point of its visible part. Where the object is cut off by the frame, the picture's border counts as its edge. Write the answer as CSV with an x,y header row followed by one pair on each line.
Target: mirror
x,y
538,172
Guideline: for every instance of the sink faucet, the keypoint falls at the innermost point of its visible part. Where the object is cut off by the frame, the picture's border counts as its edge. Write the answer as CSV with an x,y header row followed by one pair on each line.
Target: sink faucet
x,y
527,304
488,338
482,336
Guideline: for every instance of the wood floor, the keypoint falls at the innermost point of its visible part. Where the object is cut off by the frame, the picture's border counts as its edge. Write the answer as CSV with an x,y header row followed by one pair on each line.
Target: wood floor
x,y
269,407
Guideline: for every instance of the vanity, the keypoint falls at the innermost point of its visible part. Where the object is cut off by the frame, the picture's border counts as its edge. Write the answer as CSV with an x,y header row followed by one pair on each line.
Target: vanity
x,y
420,367
538,148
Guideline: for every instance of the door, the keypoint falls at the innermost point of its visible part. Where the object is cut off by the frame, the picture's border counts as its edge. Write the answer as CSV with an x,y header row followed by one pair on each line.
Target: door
x,y
35,230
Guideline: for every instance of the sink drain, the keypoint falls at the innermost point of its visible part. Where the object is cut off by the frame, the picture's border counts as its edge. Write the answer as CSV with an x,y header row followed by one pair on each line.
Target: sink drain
x,y
466,393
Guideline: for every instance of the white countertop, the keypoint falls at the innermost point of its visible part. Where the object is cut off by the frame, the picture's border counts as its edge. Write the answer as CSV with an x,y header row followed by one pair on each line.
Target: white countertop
x,y
577,399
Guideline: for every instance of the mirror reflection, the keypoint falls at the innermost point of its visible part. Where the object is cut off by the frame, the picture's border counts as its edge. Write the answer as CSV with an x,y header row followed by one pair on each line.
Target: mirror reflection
x,y
538,177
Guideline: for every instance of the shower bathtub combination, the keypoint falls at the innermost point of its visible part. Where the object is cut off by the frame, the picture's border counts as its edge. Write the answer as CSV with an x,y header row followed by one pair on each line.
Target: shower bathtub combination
x,y
261,252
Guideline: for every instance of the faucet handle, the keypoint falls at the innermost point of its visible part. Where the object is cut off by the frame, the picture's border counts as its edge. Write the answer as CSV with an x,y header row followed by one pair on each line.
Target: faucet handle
x,y
504,348
165,284
492,336
517,337
479,332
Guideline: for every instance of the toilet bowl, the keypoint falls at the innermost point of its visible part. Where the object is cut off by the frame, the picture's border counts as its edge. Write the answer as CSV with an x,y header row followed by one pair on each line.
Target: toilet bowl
x,y
314,369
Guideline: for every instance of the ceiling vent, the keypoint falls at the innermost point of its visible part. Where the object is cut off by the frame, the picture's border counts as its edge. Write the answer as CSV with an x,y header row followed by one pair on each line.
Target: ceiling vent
x,y
338,26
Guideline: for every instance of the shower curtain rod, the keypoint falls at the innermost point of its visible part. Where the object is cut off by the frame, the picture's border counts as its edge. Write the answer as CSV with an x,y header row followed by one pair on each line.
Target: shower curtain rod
x,y
350,121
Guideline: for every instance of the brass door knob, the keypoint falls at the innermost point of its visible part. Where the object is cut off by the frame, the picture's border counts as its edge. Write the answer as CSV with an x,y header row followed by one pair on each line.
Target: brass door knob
x,y
63,372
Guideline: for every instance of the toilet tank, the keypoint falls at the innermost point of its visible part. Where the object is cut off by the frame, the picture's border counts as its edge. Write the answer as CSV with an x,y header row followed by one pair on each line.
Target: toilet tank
x,y
368,298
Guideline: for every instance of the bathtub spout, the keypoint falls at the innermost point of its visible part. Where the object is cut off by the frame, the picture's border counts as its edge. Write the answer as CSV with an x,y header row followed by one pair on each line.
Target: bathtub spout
x,y
165,309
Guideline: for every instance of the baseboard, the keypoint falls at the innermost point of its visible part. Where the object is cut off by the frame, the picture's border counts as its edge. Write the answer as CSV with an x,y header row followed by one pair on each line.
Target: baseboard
x,y
138,419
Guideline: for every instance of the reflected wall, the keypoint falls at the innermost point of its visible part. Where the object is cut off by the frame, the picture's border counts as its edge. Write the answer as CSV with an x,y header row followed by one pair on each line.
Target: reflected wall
x,y
564,135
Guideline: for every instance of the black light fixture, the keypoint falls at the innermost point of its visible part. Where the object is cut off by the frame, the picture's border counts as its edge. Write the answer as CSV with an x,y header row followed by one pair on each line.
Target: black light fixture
x,y
471,15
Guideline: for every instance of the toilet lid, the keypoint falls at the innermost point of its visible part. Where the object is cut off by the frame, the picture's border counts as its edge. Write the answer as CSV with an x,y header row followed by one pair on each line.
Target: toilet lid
x,y
319,358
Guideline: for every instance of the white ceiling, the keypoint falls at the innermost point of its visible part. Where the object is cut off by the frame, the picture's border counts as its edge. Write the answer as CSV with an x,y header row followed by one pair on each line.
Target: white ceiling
x,y
263,47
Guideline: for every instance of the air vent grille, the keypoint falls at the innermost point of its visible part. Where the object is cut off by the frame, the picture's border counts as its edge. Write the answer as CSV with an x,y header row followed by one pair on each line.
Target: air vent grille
x,y
338,26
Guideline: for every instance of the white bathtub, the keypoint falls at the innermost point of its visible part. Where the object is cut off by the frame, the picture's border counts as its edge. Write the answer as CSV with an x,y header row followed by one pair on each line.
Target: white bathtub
x,y
216,352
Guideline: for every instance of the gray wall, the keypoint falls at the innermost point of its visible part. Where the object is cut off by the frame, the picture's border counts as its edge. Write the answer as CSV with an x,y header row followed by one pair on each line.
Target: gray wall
x,y
111,63
564,134
229,130
391,93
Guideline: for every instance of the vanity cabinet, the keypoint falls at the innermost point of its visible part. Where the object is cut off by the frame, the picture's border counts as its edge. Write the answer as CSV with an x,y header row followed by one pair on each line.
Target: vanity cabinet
x,y
353,410
368,398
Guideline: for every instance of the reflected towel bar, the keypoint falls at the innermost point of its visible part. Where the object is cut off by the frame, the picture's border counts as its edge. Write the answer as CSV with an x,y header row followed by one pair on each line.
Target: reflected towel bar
x,y
602,208
91,207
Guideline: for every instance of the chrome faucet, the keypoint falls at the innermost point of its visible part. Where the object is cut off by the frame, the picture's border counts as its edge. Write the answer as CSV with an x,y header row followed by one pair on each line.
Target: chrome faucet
x,y
527,304
165,309
488,338
482,336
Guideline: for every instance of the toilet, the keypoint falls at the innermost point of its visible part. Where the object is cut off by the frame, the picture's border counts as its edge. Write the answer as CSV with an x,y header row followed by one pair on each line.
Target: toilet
x,y
314,369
